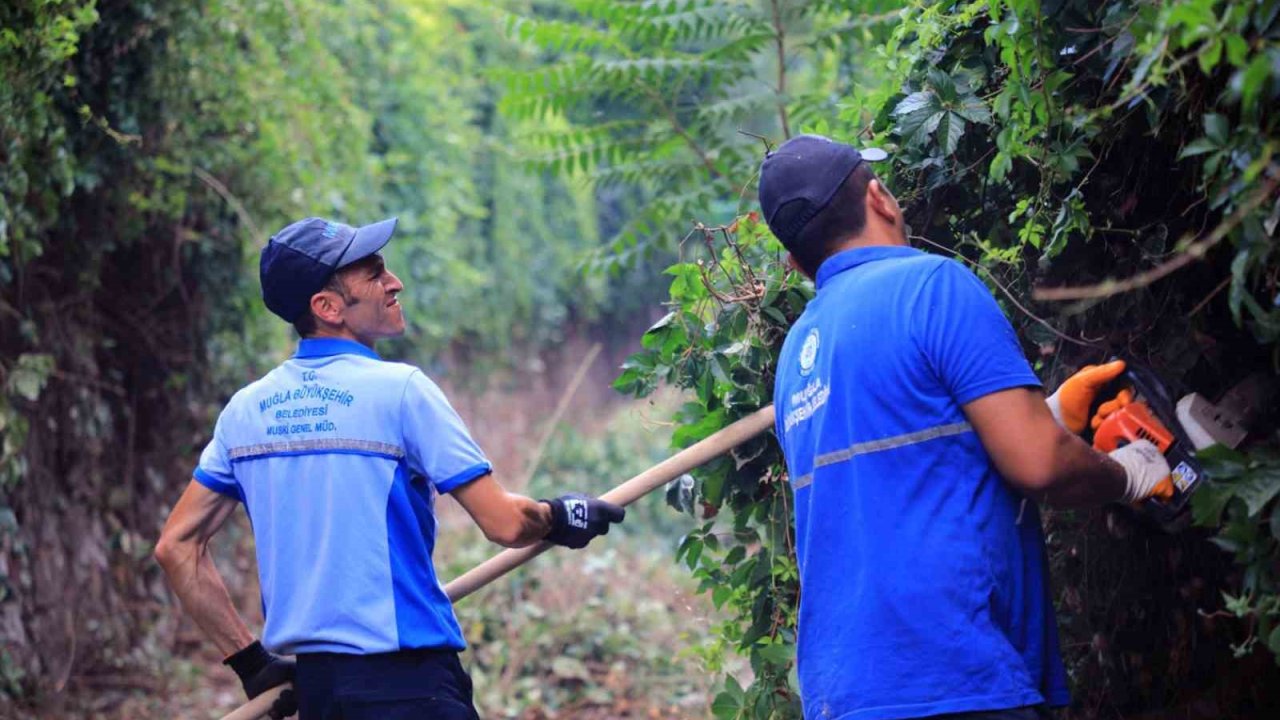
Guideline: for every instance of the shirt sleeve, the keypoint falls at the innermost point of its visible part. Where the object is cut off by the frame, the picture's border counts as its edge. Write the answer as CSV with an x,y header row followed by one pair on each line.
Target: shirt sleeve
x,y
966,339
437,443
214,470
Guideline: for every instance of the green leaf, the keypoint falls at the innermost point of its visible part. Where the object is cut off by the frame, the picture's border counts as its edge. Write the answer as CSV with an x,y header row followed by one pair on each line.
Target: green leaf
x,y
914,102
1259,487
1252,80
1210,55
1237,50
1222,463
1216,128
689,433
29,375
1198,147
944,84
728,705
1208,503
776,653
974,110
1238,605
1001,164
663,322
949,132
735,555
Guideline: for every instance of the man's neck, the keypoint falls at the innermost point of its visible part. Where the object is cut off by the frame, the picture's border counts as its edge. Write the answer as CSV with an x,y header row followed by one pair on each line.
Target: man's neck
x,y
341,333
871,239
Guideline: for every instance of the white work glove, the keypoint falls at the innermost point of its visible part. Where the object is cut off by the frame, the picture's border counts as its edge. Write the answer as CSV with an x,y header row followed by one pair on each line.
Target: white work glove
x,y
1144,469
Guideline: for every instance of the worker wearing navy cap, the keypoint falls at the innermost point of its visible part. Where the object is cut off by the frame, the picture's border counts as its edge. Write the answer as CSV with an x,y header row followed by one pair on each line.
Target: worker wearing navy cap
x,y
913,430
337,456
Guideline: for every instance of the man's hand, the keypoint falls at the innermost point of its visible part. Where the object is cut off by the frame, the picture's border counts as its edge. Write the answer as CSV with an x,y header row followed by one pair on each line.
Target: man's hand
x,y
576,518
1071,402
259,671
1146,471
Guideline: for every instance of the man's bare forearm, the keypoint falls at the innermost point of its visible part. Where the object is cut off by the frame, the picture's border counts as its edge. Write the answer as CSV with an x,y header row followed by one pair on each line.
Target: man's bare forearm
x,y
1084,477
183,552
534,521
199,586
507,519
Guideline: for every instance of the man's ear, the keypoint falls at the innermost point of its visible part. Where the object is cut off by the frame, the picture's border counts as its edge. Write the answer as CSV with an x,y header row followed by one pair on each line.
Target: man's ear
x,y
327,306
882,202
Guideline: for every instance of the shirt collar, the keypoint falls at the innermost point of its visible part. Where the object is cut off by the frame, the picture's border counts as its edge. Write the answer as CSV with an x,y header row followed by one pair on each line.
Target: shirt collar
x,y
849,259
324,347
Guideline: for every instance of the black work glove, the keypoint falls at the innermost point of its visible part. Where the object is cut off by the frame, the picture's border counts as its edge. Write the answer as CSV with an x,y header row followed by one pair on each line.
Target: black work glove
x,y
576,518
260,671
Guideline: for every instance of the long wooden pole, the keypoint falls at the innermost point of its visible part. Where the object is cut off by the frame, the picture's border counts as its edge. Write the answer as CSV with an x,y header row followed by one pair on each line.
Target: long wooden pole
x,y
628,492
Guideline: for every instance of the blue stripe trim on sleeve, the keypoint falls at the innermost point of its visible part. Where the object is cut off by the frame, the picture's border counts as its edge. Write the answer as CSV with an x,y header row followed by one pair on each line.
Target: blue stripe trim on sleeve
x,y
216,485
475,471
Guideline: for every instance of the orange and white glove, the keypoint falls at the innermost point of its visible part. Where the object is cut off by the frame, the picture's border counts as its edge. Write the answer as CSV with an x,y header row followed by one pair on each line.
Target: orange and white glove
x,y
1070,403
1145,470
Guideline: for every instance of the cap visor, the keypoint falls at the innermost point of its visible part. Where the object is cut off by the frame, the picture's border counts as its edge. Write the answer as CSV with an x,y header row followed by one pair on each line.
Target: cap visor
x,y
369,240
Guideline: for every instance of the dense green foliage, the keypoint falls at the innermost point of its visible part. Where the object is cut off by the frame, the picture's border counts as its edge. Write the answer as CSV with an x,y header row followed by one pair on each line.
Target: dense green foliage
x,y
720,342
147,150
1127,147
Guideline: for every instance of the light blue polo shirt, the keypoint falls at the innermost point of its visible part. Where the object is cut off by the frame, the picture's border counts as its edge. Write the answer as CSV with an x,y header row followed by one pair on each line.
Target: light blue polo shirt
x,y
924,586
337,455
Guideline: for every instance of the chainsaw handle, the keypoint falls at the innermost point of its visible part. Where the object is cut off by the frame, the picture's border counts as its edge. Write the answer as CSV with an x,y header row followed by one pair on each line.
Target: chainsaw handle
x,y
1148,386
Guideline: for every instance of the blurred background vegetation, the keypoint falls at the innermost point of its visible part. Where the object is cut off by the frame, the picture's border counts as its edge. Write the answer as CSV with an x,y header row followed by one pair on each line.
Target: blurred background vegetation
x,y
548,162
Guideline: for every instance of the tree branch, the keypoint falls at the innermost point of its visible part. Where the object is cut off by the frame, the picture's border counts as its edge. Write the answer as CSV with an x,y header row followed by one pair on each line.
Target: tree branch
x,y
1194,252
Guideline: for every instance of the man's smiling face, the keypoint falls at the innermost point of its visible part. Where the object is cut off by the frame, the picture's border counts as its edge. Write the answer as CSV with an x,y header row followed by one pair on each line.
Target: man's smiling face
x,y
371,311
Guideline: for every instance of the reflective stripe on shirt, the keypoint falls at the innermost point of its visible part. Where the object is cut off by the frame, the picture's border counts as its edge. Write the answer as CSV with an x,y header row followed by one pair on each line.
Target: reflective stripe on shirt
x,y
294,447
888,443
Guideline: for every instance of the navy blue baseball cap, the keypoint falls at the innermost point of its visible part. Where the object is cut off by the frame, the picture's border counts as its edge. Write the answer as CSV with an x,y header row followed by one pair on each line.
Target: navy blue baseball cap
x,y
299,260
799,179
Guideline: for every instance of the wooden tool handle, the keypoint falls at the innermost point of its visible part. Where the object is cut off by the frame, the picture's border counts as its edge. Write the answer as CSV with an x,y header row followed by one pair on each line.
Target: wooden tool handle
x,y
628,492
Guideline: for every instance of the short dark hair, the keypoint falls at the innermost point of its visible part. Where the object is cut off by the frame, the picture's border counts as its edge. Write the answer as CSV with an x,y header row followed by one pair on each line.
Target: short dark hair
x,y
844,217
305,325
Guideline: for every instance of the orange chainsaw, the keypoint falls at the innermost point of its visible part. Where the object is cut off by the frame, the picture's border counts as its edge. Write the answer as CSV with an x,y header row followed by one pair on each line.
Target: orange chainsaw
x,y
1151,415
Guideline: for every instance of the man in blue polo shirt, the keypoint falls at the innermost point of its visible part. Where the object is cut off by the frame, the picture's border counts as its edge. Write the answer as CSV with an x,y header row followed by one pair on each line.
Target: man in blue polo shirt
x,y
914,433
337,456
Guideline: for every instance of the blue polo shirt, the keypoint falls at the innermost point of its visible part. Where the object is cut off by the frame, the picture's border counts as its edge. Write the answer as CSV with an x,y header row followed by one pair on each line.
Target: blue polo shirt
x,y
923,577
337,456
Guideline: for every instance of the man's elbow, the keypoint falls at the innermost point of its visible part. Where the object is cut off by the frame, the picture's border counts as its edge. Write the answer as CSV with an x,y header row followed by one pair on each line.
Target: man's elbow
x,y
166,552
170,552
